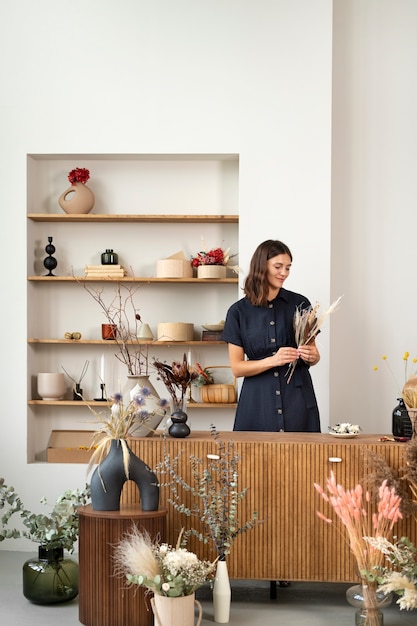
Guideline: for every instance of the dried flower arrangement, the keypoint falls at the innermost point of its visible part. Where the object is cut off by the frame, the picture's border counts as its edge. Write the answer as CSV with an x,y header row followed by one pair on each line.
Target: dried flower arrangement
x,y
159,567
79,175
203,376
176,377
401,575
122,312
120,422
361,520
215,494
215,256
307,325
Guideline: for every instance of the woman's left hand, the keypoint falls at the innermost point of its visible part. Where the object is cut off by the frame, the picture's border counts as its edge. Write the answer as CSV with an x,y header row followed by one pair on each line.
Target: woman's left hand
x,y
309,354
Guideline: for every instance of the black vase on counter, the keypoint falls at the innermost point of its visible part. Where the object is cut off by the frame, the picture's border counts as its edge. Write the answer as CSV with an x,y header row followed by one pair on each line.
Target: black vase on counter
x,y
401,423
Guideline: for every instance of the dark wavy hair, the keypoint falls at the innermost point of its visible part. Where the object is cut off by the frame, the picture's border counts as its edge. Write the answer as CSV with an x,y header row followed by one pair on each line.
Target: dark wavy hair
x,y
256,286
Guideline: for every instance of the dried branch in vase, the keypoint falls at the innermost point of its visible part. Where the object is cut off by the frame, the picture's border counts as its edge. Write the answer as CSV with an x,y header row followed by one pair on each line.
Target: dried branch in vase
x,y
123,313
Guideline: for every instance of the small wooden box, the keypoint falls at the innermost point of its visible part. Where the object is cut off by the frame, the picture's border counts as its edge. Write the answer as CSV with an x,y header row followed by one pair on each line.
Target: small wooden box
x,y
174,268
175,331
70,446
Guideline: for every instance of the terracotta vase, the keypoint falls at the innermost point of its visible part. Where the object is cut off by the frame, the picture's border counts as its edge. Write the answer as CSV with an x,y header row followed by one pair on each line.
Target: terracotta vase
x,y
77,199
176,611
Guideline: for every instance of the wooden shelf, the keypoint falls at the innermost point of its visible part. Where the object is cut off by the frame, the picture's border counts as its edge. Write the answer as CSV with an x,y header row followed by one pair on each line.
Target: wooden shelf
x,y
111,342
98,403
68,402
101,217
210,405
132,279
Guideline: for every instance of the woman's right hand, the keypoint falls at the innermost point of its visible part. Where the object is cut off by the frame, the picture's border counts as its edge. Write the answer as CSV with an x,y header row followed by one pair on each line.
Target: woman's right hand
x,y
286,354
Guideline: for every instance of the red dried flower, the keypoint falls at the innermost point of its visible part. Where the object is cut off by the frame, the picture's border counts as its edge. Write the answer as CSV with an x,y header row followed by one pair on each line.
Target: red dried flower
x,y
216,256
79,175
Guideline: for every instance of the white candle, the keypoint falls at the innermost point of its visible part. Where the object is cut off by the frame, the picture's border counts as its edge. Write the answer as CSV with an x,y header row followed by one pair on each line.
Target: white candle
x,y
102,368
189,358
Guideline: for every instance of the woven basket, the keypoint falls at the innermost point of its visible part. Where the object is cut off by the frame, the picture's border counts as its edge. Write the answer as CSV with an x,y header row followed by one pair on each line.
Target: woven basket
x,y
219,393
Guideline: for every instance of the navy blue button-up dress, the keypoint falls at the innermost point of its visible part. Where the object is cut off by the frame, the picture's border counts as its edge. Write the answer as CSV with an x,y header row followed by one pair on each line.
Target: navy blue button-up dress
x,y
267,402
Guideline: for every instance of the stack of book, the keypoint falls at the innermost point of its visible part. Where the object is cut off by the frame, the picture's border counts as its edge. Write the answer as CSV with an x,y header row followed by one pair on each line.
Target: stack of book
x,y
104,271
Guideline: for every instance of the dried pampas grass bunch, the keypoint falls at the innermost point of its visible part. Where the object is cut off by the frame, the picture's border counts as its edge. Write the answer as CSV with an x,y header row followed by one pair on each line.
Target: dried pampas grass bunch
x,y
307,324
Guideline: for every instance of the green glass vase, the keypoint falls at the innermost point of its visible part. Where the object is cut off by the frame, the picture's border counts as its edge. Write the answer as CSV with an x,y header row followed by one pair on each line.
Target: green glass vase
x,y
50,578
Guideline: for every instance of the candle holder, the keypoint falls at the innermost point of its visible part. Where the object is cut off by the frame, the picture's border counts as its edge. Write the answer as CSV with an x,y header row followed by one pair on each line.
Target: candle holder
x,y
103,398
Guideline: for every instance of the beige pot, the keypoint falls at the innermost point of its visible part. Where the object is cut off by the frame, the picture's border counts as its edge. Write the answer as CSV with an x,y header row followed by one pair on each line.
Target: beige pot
x,y
211,271
51,385
77,199
176,611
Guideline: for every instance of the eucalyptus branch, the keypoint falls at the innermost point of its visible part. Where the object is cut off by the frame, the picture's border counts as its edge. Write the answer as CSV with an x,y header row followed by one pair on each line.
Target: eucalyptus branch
x,y
216,495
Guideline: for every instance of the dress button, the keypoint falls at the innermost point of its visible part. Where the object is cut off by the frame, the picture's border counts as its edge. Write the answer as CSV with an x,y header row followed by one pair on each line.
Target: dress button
x,y
270,306
272,323
272,340
281,430
278,393
276,374
279,411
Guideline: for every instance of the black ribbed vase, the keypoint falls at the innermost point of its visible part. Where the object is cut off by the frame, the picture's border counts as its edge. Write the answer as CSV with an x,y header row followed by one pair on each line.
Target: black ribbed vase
x,y
109,477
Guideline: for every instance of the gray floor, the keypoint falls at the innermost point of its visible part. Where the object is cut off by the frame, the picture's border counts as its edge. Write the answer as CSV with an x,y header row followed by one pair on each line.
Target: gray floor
x,y
310,603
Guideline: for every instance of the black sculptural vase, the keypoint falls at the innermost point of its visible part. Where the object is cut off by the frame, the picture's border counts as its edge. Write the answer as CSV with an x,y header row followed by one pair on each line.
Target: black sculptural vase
x,y
109,477
401,423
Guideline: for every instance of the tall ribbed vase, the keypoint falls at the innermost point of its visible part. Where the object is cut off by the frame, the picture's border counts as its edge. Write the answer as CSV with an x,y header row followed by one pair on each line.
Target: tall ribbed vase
x,y
135,385
222,594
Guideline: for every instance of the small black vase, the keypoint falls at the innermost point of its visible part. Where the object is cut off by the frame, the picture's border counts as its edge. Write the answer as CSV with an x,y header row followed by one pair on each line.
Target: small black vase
x,y
401,423
179,428
50,578
109,477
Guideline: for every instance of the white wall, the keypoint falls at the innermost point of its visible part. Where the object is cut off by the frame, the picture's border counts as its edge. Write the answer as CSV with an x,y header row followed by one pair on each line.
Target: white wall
x,y
183,76
374,217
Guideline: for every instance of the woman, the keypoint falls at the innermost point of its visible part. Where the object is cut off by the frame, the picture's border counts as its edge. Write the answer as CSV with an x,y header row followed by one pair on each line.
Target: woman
x,y
260,336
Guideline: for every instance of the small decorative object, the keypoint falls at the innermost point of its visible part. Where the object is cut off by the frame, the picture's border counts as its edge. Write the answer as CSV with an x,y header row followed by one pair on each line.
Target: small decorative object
x,y
409,395
362,519
215,487
219,393
104,272
212,264
77,392
115,461
51,578
73,336
77,199
108,331
175,266
176,378
307,326
50,262
109,257
145,332
344,430
51,385
172,574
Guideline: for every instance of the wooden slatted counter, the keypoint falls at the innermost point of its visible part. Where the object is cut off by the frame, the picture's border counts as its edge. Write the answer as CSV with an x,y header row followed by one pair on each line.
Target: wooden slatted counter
x,y
280,470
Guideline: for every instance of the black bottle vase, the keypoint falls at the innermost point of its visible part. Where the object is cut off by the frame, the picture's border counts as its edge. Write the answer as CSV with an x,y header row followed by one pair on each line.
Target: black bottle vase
x,y
401,423
109,477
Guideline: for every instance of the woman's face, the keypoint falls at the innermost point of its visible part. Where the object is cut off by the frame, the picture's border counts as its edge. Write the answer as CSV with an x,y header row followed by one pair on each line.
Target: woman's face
x,y
277,271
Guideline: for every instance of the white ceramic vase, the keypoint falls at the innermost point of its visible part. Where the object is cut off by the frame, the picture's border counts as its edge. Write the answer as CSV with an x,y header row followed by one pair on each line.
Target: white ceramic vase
x,y
51,385
134,387
221,594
